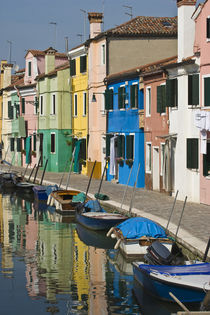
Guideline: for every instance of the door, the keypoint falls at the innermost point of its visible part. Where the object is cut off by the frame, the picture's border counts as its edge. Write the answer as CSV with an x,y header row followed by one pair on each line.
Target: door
x,y
156,169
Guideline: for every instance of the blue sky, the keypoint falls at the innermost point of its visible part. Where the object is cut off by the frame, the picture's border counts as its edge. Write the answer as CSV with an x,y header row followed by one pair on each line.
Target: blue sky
x,y
26,23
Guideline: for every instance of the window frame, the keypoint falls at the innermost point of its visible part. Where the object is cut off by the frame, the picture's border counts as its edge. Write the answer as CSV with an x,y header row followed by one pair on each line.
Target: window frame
x,y
123,95
133,146
192,160
148,158
148,101
75,105
136,95
35,106
193,89
41,105
203,90
72,67
53,104
52,135
162,154
84,104
29,68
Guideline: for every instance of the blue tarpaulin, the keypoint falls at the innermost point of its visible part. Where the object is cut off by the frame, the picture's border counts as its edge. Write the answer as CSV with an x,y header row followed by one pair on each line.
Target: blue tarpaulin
x,y
93,206
134,228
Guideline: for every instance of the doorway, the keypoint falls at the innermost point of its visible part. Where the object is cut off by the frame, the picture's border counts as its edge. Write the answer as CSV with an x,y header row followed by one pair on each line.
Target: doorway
x,y
156,169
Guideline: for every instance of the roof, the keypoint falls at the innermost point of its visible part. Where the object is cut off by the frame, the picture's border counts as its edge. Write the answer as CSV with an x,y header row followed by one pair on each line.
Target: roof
x,y
142,70
16,80
36,53
64,66
144,26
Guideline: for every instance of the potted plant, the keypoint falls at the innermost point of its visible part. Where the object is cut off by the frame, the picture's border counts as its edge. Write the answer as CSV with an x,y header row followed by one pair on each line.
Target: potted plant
x,y
82,162
68,142
129,162
23,151
33,153
120,160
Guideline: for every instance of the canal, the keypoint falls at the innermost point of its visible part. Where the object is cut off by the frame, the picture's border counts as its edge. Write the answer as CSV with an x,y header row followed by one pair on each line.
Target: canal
x,y
51,265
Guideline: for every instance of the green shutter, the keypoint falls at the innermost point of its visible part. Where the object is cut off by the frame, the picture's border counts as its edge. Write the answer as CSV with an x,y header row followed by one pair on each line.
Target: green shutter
x,y
72,67
206,161
23,105
10,110
83,64
206,91
82,152
29,68
121,146
193,89
159,99
108,137
19,145
171,93
109,99
129,147
12,144
192,153
34,142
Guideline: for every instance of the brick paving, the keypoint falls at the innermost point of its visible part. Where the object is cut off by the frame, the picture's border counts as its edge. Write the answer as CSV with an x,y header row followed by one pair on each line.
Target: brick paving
x,y
194,230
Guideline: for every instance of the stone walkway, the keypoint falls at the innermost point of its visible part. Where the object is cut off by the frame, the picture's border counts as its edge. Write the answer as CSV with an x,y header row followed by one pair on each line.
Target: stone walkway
x,y
194,230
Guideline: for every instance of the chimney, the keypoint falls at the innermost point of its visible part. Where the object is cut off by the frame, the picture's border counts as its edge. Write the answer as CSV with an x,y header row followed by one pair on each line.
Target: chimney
x,y
186,28
7,68
95,20
50,59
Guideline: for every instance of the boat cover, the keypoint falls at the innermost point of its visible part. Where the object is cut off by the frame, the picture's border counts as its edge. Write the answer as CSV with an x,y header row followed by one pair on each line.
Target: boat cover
x,y
51,188
93,206
135,228
194,269
79,197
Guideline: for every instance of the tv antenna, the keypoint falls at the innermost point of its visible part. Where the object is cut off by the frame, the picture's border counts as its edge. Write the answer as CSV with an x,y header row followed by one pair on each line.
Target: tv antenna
x,y
55,24
85,12
10,50
131,10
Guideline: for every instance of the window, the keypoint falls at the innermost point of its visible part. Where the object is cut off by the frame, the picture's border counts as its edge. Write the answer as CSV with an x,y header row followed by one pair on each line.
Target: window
x,y
34,142
206,161
29,68
192,153
103,54
23,105
207,91
72,67
148,157
82,152
75,104
130,147
121,97
53,105
17,108
161,99
10,110
121,146
148,101
12,144
162,152
193,89
208,27
171,93
41,105
83,64
52,142
108,137
134,95
84,104
19,144
109,94
36,105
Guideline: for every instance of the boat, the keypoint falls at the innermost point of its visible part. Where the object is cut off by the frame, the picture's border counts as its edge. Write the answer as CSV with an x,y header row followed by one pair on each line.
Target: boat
x,y
136,234
94,217
9,179
66,201
25,187
189,283
41,192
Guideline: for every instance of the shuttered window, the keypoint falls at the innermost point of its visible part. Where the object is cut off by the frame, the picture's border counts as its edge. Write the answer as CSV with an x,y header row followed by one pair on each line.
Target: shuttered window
x,y
108,137
121,97
206,161
121,146
192,153
19,144
34,142
52,143
82,152
134,96
161,99
29,68
208,27
171,93
10,110
193,89
72,67
83,64
23,105
129,146
12,144
207,91
109,96
36,105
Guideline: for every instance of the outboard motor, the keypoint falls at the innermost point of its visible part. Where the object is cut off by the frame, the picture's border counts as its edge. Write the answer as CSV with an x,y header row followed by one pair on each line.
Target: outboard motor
x,y
158,254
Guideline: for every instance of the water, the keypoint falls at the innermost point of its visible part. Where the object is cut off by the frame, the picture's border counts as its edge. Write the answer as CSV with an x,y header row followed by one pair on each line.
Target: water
x,y
53,267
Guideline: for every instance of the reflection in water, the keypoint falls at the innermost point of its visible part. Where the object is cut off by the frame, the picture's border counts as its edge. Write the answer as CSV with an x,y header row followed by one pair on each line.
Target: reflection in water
x,y
53,269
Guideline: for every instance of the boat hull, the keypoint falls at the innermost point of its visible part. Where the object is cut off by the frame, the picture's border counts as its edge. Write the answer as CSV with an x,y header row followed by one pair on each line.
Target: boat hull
x,y
99,221
160,288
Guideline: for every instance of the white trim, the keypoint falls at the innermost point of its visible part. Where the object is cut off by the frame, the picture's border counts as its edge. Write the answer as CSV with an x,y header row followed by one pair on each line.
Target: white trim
x,y
162,145
77,52
148,167
148,101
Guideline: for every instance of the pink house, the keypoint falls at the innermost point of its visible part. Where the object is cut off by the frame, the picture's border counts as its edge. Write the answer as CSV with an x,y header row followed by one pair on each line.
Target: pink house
x,y
202,51
156,128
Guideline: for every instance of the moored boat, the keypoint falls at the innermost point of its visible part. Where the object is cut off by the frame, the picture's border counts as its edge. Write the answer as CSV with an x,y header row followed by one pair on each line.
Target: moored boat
x,y
41,192
189,283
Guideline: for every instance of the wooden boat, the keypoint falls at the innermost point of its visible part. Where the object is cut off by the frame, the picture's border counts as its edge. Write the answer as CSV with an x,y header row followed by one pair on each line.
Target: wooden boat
x,y
136,234
94,217
189,283
64,200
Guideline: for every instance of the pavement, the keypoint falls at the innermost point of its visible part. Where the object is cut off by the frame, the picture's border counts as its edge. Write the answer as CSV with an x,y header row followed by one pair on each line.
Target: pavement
x,y
193,231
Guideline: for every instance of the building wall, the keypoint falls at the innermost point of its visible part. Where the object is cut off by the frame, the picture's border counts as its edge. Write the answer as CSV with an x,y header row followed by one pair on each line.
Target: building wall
x,y
132,49
1,97
202,45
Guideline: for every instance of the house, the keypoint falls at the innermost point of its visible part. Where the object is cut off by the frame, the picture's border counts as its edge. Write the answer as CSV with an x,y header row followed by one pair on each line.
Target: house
x,y
125,135
156,126
202,51
79,95
54,127
3,62
116,50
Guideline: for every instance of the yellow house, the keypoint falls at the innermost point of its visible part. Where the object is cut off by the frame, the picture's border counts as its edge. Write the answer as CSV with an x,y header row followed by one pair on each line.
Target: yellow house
x,y
79,97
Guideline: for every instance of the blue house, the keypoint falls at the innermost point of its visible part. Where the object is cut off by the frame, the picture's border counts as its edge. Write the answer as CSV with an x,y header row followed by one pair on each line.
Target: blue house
x,y
124,103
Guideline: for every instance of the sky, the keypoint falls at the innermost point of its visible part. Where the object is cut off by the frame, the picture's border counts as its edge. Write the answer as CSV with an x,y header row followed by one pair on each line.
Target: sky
x,y
29,24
